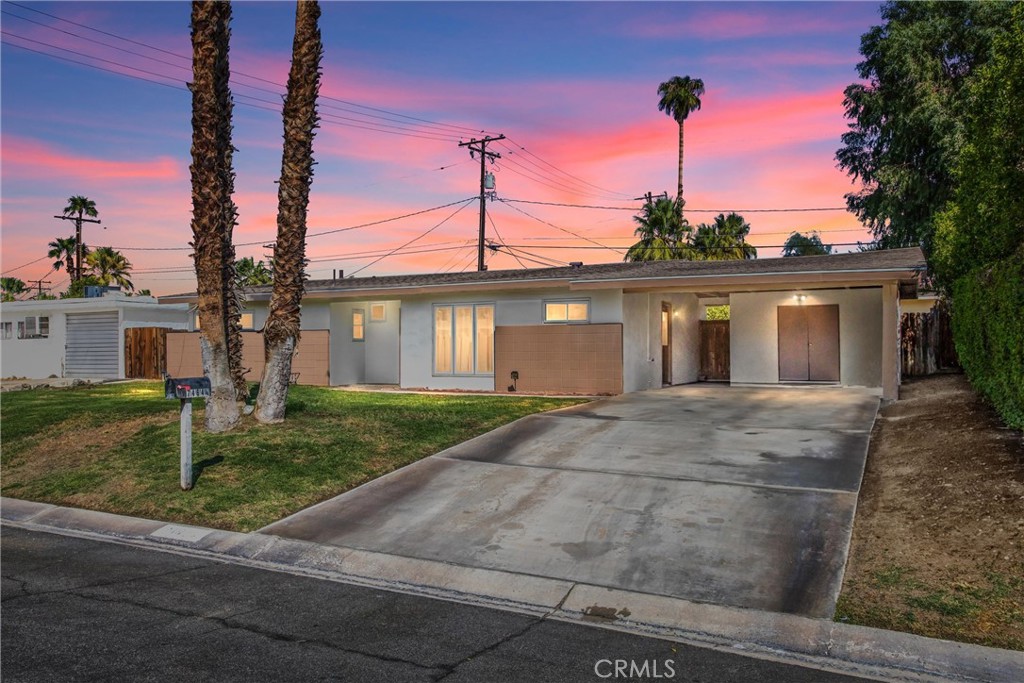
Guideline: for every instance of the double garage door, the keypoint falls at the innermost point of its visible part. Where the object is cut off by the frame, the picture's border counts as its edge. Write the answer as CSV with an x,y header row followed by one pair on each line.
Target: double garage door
x,y
92,345
809,343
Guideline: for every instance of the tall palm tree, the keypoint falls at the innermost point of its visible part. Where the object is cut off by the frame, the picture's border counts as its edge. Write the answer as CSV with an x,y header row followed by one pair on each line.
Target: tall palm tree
x,y
679,97
10,286
80,207
110,266
724,240
281,332
252,273
213,211
661,232
63,251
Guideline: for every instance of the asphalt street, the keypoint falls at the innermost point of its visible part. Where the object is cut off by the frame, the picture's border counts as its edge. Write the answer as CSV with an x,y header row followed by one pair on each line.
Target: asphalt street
x,y
82,610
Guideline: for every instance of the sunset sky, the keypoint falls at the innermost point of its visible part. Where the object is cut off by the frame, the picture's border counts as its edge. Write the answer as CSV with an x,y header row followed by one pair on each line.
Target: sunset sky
x,y
572,83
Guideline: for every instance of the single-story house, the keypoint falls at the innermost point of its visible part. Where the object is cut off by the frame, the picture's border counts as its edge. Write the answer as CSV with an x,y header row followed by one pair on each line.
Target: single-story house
x,y
607,328
78,337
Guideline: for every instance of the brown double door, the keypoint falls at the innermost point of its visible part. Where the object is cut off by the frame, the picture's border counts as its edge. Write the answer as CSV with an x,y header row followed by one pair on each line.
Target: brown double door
x,y
809,343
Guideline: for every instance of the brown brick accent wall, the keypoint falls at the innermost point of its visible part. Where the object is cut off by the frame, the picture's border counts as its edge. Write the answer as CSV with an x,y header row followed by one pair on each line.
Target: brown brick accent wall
x,y
574,359
312,359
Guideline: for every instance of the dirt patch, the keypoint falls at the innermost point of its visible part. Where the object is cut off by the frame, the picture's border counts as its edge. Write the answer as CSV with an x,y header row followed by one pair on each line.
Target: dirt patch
x,y
75,443
938,542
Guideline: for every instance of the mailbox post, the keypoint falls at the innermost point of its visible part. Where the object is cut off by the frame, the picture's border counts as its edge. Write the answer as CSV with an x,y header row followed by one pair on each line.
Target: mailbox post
x,y
185,389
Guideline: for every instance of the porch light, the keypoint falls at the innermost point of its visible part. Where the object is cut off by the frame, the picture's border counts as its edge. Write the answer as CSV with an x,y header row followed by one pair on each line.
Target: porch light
x,y
799,298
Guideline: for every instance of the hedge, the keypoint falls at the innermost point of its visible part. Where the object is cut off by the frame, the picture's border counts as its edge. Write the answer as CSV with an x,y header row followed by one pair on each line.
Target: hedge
x,y
988,329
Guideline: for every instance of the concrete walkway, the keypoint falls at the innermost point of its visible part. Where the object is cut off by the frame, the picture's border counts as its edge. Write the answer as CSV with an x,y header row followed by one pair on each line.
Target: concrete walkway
x,y
741,497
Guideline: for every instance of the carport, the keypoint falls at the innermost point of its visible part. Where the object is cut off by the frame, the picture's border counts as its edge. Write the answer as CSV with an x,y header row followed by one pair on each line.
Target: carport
x,y
730,495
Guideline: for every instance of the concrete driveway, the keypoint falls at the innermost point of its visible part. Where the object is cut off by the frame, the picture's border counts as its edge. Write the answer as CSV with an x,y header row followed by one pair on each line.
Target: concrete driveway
x,y
730,495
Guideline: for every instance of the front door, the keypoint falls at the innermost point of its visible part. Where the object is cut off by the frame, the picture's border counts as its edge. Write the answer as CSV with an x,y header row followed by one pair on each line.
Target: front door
x,y
666,343
809,343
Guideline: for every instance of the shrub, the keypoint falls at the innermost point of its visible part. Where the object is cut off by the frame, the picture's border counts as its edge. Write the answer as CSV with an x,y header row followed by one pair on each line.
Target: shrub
x,y
988,328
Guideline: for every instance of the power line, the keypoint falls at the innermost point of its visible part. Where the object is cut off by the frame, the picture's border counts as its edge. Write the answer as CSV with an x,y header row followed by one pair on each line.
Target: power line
x,y
667,248
418,237
565,173
685,209
420,121
308,235
26,265
574,234
331,118
500,238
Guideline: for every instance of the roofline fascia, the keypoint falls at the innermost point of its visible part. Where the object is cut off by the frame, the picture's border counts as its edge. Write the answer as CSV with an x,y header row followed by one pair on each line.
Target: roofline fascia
x,y
580,284
661,282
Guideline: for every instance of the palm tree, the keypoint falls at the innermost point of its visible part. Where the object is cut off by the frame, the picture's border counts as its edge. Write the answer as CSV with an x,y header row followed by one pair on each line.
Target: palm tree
x,y
679,97
805,245
11,286
281,332
252,273
213,211
724,240
661,231
110,266
80,207
63,250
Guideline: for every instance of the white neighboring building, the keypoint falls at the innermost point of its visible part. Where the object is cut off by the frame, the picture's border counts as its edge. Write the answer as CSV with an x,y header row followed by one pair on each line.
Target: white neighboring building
x,y
77,337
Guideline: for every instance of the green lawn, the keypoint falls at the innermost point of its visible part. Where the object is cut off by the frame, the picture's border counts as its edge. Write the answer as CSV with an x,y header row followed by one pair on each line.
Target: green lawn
x,y
115,448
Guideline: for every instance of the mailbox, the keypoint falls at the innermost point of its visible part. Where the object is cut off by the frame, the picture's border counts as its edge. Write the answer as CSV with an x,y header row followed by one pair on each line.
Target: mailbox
x,y
187,387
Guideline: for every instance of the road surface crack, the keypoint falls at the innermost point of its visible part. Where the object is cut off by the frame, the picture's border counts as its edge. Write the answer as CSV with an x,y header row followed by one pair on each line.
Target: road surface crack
x,y
229,622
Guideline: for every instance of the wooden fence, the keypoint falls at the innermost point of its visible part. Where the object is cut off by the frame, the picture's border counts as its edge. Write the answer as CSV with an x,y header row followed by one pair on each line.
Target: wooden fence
x,y
926,342
714,350
145,352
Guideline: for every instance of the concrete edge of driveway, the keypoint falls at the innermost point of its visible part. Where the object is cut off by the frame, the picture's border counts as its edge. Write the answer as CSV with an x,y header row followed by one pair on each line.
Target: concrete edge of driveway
x,y
819,643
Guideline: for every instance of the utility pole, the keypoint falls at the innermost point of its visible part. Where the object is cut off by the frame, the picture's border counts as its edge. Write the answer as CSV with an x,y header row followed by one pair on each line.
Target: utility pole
x,y
481,149
78,239
39,286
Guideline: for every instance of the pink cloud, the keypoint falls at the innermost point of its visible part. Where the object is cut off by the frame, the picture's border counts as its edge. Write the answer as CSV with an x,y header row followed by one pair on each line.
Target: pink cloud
x,y
730,24
26,158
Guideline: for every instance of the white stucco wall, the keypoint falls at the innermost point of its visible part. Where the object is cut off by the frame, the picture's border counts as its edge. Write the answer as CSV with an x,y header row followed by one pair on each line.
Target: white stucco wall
x,y
641,339
382,339
348,362
754,334
44,357
32,358
511,308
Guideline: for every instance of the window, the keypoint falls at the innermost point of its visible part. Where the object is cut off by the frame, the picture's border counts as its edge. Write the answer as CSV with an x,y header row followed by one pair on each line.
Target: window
x,y
567,311
378,313
247,321
32,327
6,331
358,328
464,339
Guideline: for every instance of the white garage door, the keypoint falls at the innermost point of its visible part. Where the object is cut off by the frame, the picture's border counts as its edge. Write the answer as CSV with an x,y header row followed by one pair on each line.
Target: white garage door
x,y
92,346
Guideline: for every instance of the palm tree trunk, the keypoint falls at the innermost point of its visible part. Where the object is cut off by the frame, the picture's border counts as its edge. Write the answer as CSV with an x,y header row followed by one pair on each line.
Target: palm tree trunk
x,y
281,333
679,190
211,195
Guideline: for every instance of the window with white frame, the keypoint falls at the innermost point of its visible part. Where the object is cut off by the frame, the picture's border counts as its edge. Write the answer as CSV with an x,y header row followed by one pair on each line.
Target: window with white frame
x,y
358,324
464,339
33,327
378,313
567,311
6,330
247,320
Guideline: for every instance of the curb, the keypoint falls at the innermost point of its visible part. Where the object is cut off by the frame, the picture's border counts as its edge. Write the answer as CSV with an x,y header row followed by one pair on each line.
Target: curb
x,y
818,643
